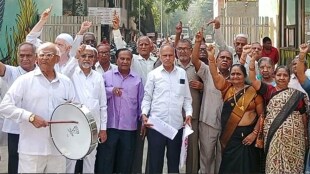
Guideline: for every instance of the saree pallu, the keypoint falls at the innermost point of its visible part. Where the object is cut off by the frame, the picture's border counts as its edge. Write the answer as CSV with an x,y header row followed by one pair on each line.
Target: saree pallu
x,y
287,147
237,157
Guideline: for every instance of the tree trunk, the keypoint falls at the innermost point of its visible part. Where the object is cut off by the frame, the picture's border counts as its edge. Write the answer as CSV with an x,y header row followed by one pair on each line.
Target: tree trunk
x,y
147,23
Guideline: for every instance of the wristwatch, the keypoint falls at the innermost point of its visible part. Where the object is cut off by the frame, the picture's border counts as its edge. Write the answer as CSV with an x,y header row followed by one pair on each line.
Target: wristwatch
x,y
31,118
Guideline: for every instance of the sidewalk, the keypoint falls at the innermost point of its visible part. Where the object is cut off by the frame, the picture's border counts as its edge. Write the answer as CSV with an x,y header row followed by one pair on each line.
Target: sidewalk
x,y
4,159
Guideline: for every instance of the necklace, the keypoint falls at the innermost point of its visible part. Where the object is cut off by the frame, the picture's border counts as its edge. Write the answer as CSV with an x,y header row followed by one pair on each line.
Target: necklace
x,y
242,103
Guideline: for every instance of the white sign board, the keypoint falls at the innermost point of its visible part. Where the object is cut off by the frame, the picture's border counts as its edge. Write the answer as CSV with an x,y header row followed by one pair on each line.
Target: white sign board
x,y
105,14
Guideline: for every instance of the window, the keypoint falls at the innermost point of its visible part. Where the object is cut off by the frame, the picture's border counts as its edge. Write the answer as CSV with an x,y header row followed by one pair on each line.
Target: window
x,y
290,12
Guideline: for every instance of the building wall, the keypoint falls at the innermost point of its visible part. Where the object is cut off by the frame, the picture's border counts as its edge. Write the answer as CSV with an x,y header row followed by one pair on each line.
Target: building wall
x,y
13,28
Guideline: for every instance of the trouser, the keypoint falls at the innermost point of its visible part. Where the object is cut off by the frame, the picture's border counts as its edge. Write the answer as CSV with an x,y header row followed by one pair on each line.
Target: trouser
x,y
192,160
138,152
115,155
13,153
156,147
87,165
41,164
210,148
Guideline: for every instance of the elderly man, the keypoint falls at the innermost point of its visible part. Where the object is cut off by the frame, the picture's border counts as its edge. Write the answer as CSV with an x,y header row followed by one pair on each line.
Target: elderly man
x,y
184,51
31,110
67,46
90,91
239,42
125,93
166,93
104,58
210,114
26,60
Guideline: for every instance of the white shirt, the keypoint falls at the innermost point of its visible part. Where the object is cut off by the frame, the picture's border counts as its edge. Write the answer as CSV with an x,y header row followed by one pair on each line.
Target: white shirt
x,y
90,91
33,37
33,93
166,94
100,69
10,75
294,83
212,102
142,66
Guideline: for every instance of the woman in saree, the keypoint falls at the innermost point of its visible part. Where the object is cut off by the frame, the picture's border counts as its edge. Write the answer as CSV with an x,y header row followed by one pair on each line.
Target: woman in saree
x,y
240,126
285,130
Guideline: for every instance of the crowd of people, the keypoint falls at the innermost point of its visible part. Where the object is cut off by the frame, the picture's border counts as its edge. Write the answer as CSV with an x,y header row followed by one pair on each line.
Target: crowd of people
x,y
248,113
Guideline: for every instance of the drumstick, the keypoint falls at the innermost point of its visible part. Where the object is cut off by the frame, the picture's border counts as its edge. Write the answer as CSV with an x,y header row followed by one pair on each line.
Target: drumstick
x,y
56,122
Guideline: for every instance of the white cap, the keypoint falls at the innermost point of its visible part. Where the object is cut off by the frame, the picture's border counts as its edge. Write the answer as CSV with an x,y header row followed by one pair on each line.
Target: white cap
x,y
67,37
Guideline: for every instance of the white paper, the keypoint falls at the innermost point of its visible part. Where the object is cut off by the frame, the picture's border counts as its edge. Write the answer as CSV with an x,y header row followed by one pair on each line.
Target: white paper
x,y
162,127
186,132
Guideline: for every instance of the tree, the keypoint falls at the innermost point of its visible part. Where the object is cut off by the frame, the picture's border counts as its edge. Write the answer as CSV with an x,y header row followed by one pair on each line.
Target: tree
x,y
150,13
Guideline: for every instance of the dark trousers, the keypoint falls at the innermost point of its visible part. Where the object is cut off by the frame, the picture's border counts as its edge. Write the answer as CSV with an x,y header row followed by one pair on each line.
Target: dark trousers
x,y
156,151
116,154
12,153
138,153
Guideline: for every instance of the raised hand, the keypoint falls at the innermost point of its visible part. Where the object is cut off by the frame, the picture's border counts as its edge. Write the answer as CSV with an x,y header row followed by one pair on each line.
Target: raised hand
x,y
247,49
46,13
80,50
211,52
84,27
303,48
178,28
199,36
115,21
216,23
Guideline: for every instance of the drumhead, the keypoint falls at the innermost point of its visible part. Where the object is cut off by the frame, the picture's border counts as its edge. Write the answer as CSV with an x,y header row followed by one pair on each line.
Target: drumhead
x,y
72,140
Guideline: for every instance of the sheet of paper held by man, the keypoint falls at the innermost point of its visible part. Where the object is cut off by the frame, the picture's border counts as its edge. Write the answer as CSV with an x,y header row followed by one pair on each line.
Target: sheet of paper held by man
x,y
163,128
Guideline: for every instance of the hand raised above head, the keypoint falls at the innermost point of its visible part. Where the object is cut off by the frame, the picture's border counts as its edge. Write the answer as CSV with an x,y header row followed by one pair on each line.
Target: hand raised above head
x,y
115,21
303,48
85,26
216,23
211,52
46,13
178,28
199,36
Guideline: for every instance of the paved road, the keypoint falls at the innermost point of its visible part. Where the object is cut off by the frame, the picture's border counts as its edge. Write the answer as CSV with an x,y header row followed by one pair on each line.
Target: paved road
x,y
4,160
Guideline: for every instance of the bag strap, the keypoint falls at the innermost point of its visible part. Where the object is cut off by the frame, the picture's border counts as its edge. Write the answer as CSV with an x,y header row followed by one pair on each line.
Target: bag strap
x,y
236,115
286,110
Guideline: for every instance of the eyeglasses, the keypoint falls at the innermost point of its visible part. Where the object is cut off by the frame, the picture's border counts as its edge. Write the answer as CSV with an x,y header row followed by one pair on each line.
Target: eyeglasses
x,y
183,49
46,55
203,49
88,56
104,53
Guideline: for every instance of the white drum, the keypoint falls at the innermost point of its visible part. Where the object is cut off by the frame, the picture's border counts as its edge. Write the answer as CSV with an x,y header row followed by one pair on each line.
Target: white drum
x,y
74,140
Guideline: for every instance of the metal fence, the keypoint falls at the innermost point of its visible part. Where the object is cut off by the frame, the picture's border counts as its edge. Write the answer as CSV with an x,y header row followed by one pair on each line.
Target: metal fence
x,y
255,27
69,24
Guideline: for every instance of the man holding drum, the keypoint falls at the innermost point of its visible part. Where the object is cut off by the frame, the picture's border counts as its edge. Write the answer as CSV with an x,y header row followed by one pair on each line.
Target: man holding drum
x,y
90,91
31,101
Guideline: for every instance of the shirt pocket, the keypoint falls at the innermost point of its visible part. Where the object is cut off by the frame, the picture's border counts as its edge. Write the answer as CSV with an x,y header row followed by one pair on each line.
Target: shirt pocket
x,y
180,90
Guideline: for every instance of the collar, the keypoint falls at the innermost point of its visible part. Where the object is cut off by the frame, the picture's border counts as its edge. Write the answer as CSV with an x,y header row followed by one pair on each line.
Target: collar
x,y
116,71
161,68
38,72
152,58
79,70
178,62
